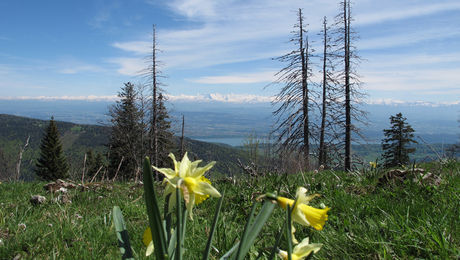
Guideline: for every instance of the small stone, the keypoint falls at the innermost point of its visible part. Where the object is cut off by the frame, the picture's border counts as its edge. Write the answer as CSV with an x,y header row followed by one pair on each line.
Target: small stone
x,y
63,190
37,199
22,225
50,225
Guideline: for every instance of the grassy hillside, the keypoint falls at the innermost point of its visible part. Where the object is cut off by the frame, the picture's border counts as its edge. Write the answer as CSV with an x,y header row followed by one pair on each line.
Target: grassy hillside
x,y
79,138
368,219
76,140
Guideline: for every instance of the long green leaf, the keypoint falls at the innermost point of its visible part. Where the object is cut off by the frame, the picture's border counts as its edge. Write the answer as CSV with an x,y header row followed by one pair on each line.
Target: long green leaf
x,y
167,218
122,234
255,229
230,252
247,227
277,242
184,226
172,244
153,212
289,232
213,227
179,230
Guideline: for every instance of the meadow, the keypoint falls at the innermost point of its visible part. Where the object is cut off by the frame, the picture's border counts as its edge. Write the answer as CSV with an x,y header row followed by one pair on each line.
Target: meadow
x,y
370,218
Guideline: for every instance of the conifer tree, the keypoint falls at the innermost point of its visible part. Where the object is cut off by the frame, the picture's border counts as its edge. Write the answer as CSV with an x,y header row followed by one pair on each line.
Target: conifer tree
x,y
395,144
165,136
52,163
125,142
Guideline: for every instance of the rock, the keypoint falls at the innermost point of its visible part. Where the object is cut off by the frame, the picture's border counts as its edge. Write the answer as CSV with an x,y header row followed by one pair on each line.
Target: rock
x,y
417,175
64,198
59,185
37,199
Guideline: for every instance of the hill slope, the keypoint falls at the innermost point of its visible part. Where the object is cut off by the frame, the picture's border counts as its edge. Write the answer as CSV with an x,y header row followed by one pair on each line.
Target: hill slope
x,y
79,138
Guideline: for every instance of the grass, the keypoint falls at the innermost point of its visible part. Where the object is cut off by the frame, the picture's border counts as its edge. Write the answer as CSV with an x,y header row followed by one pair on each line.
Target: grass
x,y
366,221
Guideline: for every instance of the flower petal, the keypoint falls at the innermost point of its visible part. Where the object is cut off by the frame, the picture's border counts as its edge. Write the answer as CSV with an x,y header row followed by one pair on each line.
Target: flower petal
x,y
301,195
201,170
299,217
150,249
184,167
204,188
176,164
316,217
190,204
167,172
147,237
304,248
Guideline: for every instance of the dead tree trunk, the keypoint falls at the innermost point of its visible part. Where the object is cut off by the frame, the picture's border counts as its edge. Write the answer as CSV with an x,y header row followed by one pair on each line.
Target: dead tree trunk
x,y
18,164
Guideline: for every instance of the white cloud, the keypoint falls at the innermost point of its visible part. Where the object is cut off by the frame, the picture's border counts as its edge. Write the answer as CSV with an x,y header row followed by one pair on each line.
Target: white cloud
x,y
218,97
194,8
225,32
396,102
399,10
214,97
138,47
259,77
49,98
229,98
79,69
413,74
129,66
408,38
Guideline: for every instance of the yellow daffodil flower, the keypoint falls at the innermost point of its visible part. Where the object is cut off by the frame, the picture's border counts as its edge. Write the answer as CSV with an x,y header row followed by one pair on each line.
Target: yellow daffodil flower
x,y
148,242
301,212
301,250
373,165
189,178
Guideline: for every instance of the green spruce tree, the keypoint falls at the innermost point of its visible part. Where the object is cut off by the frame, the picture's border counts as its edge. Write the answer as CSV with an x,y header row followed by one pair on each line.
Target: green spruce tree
x,y
125,157
395,145
165,136
52,163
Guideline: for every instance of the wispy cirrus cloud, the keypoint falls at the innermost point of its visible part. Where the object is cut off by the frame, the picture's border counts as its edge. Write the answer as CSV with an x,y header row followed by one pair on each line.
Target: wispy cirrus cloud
x,y
408,38
129,66
399,10
258,77
238,31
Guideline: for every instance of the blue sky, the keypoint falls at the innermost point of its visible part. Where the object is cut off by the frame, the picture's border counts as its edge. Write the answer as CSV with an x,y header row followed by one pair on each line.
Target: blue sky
x,y
219,49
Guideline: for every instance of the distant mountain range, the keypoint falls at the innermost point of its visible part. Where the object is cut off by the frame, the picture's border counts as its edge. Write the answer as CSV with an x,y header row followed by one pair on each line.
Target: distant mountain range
x,y
231,122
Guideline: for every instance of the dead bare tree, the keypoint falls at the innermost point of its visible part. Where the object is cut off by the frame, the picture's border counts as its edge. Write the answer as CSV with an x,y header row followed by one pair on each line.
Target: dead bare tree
x,y
348,76
295,100
182,144
18,164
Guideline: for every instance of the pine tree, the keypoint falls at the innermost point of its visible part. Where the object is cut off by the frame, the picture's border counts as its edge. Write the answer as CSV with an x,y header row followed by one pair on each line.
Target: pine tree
x,y
52,163
126,139
165,136
395,144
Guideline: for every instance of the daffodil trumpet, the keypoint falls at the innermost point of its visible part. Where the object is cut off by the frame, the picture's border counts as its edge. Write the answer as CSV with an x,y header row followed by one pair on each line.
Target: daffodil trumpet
x,y
302,213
